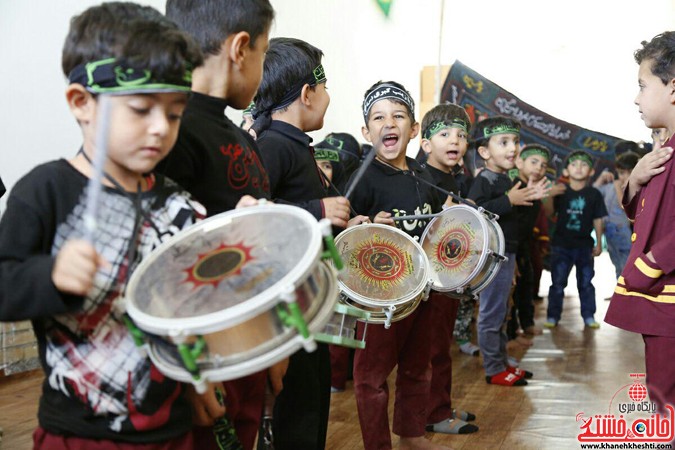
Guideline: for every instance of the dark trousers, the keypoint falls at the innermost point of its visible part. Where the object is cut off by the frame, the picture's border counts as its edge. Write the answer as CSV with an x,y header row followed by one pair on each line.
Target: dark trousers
x,y
406,344
340,365
301,409
244,400
522,312
444,314
562,261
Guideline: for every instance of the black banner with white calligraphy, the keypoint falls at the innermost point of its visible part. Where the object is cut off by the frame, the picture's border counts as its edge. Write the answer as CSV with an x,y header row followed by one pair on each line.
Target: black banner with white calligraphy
x,y
483,98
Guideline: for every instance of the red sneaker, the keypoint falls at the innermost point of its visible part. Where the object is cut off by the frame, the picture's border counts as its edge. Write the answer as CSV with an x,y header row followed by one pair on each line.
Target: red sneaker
x,y
506,378
522,373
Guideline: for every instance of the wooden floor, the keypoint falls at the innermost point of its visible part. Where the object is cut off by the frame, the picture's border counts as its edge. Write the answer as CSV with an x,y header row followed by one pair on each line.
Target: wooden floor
x,y
576,370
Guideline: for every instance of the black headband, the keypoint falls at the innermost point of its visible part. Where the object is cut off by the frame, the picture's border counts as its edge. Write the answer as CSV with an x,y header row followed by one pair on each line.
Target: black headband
x,y
110,76
317,76
388,91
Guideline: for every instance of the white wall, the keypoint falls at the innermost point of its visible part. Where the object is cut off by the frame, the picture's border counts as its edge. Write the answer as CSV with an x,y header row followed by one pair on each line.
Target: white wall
x,y
572,59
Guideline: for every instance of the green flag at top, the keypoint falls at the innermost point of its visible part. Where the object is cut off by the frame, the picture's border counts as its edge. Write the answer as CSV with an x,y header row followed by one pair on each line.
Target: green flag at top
x,y
385,6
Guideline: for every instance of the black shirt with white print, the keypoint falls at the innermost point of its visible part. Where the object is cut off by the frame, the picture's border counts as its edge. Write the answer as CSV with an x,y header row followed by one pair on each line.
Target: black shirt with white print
x,y
98,384
399,192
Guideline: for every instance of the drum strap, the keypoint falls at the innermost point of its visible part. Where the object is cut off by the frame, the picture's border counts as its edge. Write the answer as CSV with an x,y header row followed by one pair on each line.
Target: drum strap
x,y
139,212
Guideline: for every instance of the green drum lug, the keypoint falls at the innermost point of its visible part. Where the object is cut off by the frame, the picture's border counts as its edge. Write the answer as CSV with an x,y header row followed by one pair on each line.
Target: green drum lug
x,y
189,354
291,316
332,252
137,335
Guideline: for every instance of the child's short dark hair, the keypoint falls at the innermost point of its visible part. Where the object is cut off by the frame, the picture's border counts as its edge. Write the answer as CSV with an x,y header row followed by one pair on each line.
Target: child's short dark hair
x,y
626,160
144,43
210,22
288,64
579,154
100,31
535,149
662,50
486,128
445,112
401,96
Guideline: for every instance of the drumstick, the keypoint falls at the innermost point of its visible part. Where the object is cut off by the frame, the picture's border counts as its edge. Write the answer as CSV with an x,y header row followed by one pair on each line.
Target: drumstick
x,y
359,173
416,217
94,186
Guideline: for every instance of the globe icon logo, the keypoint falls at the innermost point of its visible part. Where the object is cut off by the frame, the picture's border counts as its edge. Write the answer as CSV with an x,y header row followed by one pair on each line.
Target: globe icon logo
x,y
640,427
637,392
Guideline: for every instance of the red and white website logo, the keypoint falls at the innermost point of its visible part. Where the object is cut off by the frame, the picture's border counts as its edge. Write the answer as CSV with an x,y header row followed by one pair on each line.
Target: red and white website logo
x,y
631,421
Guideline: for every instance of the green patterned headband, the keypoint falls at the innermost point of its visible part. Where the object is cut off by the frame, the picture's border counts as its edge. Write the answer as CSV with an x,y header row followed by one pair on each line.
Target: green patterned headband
x,y
110,76
526,152
580,156
503,128
324,154
436,126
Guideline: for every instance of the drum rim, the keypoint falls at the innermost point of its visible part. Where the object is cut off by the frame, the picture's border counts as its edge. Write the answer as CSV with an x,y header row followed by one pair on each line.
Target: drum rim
x,y
264,360
367,301
218,320
483,220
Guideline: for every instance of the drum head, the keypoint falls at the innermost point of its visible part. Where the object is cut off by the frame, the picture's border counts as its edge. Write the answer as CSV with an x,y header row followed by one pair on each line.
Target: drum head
x,y
383,266
456,244
223,270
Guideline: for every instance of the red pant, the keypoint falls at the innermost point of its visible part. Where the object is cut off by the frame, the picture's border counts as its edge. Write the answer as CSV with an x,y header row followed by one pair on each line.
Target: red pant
x,y
245,399
444,314
406,343
339,365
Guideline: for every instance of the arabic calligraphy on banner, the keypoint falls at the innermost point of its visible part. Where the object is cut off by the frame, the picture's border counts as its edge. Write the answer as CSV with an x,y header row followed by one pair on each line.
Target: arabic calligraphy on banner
x,y
483,98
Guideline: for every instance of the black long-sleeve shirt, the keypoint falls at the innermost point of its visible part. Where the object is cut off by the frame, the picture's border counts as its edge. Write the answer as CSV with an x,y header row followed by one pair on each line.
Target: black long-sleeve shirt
x,y
293,173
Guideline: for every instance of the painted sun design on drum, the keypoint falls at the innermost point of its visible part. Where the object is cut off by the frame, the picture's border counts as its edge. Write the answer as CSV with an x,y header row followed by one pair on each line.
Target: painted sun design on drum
x,y
453,248
213,266
381,262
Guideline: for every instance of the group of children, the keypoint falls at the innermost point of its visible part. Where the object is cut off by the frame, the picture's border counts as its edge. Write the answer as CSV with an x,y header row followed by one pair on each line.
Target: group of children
x,y
173,158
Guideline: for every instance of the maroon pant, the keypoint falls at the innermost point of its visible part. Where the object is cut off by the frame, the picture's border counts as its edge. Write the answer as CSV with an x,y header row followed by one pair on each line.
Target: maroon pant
x,y
339,365
444,314
245,399
406,343
659,357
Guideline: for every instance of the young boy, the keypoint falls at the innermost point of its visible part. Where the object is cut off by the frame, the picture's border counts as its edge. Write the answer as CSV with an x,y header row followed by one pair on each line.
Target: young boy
x,y
99,389
215,160
291,100
531,163
617,227
643,301
497,141
390,187
445,138
579,209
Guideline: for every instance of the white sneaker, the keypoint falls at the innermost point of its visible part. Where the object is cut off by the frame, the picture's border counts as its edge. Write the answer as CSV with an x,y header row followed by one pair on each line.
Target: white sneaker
x,y
469,348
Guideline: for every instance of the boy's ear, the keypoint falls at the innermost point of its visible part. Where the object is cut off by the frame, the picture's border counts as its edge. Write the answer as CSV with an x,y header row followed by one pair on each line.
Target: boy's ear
x,y
566,172
484,152
415,130
519,163
366,133
305,95
239,47
426,145
591,173
81,102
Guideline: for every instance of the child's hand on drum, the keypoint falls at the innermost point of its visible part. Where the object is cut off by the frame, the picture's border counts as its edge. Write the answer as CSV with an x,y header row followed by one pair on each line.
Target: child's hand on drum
x,y
205,407
384,218
336,209
75,267
248,200
358,220
276,375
